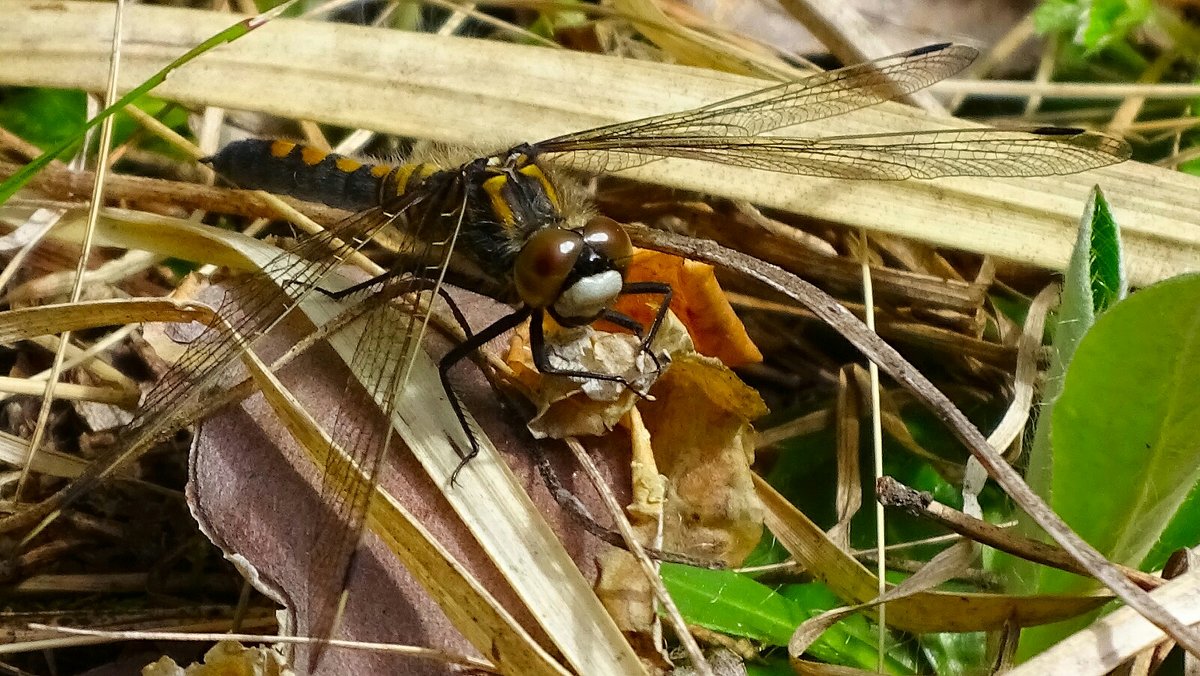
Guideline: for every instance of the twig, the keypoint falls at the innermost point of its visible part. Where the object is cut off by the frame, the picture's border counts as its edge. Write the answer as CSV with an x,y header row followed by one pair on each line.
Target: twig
x,y
639,554
892,493
412,651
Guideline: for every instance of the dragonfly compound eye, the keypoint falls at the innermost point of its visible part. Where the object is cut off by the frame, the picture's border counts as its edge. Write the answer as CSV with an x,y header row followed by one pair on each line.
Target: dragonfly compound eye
x,y
607,238
544,264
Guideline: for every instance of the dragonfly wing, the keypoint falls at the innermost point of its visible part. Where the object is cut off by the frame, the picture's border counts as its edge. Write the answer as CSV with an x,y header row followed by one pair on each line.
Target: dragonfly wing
x,y
932,154
382,357
250,307
350,468
812,98
255,303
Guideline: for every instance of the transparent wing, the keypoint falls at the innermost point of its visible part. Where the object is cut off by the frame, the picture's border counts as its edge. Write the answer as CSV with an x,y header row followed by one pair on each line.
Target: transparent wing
x,y
958,152
813,98
363,436
384,352
726,131
249,308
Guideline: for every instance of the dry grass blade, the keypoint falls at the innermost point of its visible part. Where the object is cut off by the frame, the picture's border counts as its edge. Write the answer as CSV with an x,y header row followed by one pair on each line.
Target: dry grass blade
x,y
15,451
413,651
913,610
26,323
946,565
1118,636
1029,345
428,87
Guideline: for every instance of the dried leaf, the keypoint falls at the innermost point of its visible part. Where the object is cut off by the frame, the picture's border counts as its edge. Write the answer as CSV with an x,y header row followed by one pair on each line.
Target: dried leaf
x,y
226,657
588,407
699,426
698,301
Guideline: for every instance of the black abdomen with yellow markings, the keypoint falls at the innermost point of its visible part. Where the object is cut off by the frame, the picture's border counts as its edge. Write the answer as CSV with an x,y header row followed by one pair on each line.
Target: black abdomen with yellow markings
x,y
314,175
495,203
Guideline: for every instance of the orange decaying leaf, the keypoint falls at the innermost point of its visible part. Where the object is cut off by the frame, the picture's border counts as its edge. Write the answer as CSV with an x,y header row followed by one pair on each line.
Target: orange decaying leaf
x,y
698,302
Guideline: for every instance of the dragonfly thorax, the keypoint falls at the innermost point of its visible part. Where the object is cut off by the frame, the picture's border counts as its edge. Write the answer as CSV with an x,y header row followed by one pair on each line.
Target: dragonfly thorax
x,y
516,191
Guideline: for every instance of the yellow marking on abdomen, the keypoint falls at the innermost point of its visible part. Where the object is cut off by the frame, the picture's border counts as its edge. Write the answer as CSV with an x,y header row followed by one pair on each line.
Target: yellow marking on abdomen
x,y
311,156
406,173
281,149
425,170
400,178
347,165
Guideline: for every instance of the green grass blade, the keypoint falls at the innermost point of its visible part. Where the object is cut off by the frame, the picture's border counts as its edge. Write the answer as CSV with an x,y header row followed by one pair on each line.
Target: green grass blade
x,y
737,605
15,182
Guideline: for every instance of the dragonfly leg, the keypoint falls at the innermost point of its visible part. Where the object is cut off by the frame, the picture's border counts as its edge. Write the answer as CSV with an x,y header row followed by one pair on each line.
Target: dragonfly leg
x,y
351,290
575,507
419,283
459,317
650,289
626,322
461,351
537,345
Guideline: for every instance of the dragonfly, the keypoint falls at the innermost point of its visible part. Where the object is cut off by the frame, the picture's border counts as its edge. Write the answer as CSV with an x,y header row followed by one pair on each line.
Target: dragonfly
x,y
511,214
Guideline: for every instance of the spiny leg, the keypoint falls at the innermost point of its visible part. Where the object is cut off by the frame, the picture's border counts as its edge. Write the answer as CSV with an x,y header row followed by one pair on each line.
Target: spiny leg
x,y
418,284
625,321
461,351
537,345
575,507
651,289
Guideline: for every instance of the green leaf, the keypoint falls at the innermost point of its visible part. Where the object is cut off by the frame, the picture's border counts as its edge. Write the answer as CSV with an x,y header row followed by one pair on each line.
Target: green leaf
x,y
1107,279
1057,16
44,117
1127,418
1191,167
732,604
1108,22
737,605
1125,450
776,666
1183,531
956,653
1094,280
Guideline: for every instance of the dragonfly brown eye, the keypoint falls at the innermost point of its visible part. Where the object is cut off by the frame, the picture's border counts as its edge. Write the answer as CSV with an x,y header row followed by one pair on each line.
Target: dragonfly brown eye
x,y
544,263
608,238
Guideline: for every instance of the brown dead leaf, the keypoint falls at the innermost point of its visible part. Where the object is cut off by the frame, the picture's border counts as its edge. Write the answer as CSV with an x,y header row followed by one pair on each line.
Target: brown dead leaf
x,y
699,423
699,427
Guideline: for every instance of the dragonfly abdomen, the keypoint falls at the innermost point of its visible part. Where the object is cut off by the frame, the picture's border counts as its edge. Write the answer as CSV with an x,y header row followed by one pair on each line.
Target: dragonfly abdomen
x,y
313,175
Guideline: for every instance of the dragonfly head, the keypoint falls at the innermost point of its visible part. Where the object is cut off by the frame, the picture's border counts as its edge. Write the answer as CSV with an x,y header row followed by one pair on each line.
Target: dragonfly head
x,y
574,274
